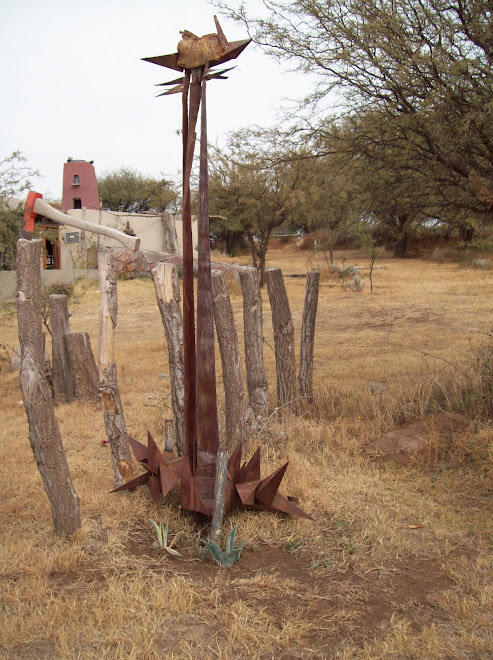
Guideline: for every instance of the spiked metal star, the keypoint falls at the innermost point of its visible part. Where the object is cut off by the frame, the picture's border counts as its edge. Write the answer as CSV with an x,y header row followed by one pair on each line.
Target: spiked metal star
x,y
162,470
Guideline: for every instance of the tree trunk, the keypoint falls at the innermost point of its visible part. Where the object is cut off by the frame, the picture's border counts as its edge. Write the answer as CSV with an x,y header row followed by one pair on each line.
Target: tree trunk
x,y
283,338
44,434
63,386
114,421
165,278
231,362
254,342
83,366
305,377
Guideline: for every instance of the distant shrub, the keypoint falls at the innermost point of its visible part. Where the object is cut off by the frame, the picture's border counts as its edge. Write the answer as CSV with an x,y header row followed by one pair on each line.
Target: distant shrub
x,y
480,264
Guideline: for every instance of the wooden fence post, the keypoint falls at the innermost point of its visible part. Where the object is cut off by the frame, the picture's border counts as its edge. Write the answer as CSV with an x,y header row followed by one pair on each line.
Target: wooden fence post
x,y
114,421
283,338
83,366
44,434
219,493
254,342
231,361
305,376
165,278
63,385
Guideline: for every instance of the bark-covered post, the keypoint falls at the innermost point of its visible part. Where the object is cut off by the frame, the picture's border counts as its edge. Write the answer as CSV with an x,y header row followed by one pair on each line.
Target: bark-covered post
x,y
165,278
219,493
283,339
114,421
254,342
231,362
63,385
83,366
169,435
305,376
44,434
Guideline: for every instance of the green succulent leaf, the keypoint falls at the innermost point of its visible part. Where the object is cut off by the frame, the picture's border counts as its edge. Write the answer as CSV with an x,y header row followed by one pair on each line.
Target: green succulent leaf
x,y
230,543
158,532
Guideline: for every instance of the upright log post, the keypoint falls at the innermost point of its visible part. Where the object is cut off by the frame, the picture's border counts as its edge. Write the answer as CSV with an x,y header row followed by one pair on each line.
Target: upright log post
x,y
254,342
63,384
283,339
219,493
305,376
165,278
83,367
114,421
231,362
44,434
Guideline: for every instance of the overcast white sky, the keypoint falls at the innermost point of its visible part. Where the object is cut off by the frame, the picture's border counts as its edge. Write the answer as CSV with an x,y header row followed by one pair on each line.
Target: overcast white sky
x,y
73,84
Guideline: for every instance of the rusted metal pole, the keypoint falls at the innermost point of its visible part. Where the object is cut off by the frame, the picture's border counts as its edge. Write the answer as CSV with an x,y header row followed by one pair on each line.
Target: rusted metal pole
x,y
207,424
189,359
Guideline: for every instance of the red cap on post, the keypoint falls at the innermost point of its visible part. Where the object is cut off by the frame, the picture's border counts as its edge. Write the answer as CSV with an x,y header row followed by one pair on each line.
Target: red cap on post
x,y
29,214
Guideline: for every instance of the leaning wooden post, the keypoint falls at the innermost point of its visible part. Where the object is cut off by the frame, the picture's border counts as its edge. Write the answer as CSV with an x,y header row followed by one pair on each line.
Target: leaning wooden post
x,y
165,278
219,493
63,385
254,342
305,376
283,339
44,434
83,366
112,406
231,362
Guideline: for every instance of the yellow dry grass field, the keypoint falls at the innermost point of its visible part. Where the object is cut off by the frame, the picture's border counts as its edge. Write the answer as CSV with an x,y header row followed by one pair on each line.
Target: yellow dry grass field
x,y
397,562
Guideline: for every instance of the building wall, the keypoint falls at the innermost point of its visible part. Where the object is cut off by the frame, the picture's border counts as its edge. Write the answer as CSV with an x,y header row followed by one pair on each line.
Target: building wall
x,y
148,227
87,188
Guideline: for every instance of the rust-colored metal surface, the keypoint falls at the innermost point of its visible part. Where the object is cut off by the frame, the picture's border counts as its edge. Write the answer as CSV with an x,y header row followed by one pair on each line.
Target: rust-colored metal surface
x,y
197,468
163,469
244,487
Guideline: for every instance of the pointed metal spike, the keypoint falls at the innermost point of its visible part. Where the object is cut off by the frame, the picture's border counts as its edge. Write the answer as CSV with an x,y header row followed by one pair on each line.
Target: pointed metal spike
x,y
282,504
155,458
167,478
134,483
174,90
140,451
234,462
170,82
154,487
169,61
222,37
269,486
246,491
252,470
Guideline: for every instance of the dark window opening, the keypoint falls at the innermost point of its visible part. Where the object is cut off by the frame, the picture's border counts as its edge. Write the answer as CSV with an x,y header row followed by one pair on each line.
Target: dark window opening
x,y
76,180
77,203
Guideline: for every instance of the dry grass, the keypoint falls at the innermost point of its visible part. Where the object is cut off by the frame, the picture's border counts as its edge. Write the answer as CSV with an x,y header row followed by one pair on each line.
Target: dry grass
x,y
397,563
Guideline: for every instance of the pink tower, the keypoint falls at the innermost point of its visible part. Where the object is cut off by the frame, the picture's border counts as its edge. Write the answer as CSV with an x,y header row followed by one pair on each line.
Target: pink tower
x,y
80,187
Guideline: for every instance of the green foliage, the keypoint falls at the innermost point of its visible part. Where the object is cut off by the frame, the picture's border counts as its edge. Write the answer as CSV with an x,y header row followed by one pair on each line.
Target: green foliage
x,y
14,180
130,191
226,557
415,79
161,532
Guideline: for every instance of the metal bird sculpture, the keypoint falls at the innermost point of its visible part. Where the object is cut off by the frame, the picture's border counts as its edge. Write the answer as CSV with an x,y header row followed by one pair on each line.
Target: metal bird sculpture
x,y
196,56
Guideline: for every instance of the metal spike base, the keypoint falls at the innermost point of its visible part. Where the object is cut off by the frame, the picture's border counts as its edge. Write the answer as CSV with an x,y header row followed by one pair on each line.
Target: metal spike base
x,y
244,488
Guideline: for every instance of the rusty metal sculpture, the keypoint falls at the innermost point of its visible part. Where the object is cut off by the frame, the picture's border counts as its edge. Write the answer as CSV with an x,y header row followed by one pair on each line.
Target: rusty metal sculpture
x,y
196,57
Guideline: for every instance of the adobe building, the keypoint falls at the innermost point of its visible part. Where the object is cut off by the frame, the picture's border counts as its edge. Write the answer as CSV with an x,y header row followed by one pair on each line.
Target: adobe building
x,y
80,186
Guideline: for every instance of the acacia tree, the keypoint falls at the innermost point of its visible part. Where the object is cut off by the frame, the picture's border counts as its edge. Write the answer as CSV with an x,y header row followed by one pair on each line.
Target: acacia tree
x,y
14,180
416,81
257,187
130,191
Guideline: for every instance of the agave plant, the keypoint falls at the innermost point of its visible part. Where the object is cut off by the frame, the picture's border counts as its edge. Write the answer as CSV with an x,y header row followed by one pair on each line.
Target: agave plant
x,y
161,532
226,557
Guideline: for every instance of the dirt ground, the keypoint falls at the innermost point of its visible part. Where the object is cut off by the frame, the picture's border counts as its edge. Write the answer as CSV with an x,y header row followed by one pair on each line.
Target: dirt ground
x,y
397,562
